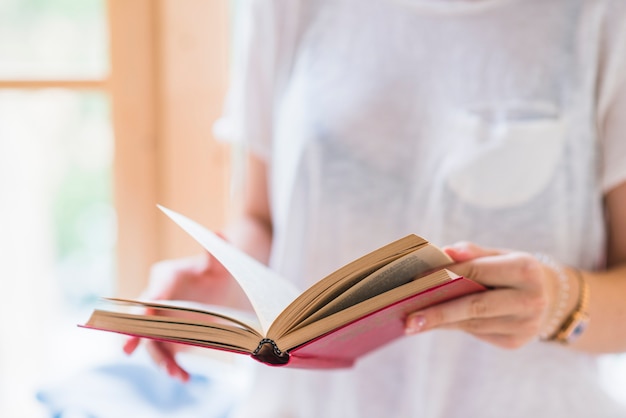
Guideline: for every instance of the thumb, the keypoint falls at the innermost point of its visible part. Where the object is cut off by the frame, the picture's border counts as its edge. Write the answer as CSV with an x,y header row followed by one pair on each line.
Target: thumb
x,y
213,264
131,344
465,251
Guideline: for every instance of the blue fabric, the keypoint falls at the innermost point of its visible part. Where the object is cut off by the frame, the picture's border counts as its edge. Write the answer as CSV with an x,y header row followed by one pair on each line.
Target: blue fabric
x,y
131,389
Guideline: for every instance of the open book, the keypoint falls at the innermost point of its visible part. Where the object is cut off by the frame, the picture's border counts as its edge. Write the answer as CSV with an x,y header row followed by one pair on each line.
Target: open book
x,y
351,312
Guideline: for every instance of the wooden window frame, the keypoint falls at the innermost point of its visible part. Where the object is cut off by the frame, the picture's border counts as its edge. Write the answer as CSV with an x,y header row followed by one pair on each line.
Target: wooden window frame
x,y
169,66
169,73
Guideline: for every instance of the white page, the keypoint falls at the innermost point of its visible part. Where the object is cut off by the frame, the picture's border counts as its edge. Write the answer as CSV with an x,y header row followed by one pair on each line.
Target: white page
x,y
268,292
225,312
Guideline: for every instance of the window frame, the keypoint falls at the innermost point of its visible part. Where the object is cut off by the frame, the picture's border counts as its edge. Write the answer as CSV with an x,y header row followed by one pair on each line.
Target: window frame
x,y
168,77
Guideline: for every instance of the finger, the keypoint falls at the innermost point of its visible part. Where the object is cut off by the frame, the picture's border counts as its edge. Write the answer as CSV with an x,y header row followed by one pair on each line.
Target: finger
x,y
526,327
488,304
213,264
131,345
160,279
466,251
509,341
165,357
514,269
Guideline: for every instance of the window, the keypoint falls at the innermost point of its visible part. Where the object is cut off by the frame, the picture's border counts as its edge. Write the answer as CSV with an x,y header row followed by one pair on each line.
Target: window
x,y
106,110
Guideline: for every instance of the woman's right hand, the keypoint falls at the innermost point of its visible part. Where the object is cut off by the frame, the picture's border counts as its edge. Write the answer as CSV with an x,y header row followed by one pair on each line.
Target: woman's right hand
x,y
203,279
199,279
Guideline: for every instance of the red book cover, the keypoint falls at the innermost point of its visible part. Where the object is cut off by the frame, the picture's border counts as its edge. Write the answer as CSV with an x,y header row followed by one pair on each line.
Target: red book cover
x,y
343,346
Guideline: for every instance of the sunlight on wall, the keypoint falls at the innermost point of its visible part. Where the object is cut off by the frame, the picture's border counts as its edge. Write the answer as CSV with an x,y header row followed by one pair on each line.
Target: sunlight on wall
x,y
57,236
57,221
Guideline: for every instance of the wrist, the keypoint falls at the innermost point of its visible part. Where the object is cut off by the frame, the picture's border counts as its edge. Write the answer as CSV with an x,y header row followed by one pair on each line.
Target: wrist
x,y
561,294
568,295
576,321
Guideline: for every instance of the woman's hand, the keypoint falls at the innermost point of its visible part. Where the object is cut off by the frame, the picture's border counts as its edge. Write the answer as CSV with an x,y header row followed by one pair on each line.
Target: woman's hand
x,y
515,310
199,279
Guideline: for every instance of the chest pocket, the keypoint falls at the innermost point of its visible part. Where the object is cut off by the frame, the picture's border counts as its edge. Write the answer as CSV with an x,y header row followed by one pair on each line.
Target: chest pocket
x,y
504,156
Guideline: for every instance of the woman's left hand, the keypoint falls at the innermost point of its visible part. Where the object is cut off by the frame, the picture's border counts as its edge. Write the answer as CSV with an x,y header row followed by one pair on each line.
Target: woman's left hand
x,y
514,311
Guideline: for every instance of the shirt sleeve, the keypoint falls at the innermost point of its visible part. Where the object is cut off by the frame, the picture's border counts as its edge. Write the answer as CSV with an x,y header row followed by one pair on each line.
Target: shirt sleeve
x,y
263,45
612,97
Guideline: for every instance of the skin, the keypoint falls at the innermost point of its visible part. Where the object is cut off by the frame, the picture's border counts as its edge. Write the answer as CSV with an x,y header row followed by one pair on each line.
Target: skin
x,y
202,278
514,312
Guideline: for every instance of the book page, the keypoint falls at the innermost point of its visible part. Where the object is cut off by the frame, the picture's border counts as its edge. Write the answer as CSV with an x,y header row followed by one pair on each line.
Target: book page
x,y
267,292
181,330
333,285
424,287
392,275
244,319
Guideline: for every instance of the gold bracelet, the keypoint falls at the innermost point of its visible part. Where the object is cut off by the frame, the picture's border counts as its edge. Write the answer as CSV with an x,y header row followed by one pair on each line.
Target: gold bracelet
x,y
576,323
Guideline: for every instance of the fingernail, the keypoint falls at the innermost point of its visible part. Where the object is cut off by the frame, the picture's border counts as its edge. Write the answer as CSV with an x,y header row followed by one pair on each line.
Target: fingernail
x,y
457,250
415,324
128,347
178,373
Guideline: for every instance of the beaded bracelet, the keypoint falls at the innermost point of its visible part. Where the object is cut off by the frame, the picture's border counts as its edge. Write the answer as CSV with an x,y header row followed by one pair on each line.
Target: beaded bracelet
x,y
557,314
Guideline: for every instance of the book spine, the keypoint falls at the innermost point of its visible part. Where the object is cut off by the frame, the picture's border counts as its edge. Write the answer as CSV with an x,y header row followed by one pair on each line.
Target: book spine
x,y
268,352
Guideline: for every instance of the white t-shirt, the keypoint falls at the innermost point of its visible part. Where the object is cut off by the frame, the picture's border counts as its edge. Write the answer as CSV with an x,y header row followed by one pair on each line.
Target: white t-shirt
x,y
501,122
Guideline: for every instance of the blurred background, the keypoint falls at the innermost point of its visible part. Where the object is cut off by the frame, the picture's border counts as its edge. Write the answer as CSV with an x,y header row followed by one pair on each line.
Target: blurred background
x,y
106,109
